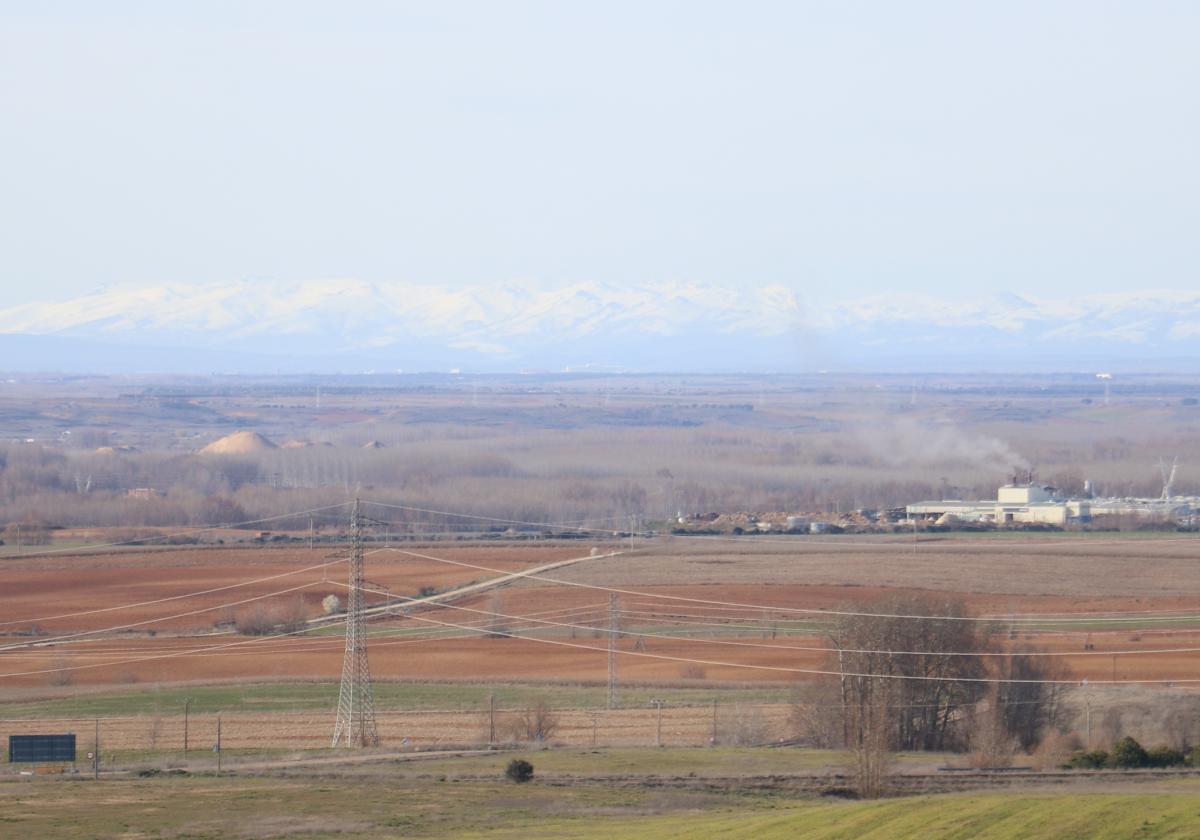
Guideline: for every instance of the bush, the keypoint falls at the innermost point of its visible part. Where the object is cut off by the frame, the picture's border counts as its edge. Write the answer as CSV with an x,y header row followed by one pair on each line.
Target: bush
x,y
255,620
1127,753
1055,751
1092,760
536,724
518,770
1165,757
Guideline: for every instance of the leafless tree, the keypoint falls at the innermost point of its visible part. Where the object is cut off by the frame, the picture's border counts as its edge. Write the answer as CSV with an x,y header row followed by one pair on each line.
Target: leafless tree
x,y
1030,702
536,724
913,642
870,726
815,716
992,744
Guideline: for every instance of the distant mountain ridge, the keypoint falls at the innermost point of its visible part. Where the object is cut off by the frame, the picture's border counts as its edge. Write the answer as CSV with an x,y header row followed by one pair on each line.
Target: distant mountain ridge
x,y
342,324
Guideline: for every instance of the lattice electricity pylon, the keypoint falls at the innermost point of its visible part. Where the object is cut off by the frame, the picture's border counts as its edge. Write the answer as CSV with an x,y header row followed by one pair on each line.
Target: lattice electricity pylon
x,y
356,703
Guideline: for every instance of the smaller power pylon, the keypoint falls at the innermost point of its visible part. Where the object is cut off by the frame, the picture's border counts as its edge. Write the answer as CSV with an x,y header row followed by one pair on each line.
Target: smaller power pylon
x,y
356,703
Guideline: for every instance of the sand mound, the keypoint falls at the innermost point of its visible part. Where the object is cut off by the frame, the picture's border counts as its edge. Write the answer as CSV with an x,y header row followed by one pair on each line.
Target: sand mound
x,y
239,443
372,444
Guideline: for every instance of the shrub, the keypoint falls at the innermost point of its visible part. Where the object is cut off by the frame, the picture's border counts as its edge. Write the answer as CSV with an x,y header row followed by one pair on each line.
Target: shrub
x,y
261,619
518,770
1165,757
255,620
292,617
1055,750
1127,753
535,724
1092,760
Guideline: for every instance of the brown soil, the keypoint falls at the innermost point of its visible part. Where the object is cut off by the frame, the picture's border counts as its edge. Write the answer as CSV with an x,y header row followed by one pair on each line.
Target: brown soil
x,y
35,589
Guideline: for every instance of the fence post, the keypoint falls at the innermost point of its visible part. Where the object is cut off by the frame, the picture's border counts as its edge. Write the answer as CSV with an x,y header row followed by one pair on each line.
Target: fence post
x,y
712,742
492,719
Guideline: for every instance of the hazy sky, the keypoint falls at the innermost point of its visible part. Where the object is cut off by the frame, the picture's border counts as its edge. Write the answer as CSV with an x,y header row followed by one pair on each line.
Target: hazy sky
x,y
841,148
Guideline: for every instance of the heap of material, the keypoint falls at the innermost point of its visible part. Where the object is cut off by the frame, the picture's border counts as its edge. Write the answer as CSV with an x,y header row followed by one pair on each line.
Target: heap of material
x,y
239,443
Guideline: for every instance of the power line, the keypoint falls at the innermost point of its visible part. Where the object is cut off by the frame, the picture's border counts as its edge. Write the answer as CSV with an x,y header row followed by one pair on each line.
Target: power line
x,y
570,525
165,600
812,671
734,604
614,630
189,532
76,636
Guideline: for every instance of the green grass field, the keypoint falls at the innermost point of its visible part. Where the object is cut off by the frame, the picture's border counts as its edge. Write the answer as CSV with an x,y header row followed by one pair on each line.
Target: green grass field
x,y
398,804
718,762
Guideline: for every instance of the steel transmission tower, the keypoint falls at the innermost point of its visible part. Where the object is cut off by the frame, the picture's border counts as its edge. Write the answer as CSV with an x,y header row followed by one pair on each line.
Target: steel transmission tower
x,y
356,704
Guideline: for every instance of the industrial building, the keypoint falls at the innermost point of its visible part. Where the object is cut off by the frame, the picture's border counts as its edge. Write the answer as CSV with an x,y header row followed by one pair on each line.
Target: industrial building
x,y
1034,503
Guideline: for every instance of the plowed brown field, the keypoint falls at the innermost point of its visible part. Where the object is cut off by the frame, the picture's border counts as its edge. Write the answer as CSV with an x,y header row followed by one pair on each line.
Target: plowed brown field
x,y
1070,576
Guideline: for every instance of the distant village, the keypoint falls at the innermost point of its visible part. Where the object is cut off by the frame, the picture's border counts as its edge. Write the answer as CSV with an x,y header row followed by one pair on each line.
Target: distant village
x,y
1020,504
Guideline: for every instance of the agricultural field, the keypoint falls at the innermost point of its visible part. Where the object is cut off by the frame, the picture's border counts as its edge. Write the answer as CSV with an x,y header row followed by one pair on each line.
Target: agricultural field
x,y
425,799
695,632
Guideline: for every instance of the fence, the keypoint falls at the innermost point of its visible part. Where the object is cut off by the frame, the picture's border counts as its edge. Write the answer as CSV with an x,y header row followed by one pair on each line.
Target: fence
x,y
145,738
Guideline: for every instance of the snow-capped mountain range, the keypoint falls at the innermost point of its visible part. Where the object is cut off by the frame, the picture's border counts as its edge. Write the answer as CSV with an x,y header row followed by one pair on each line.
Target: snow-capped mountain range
x,y
260,325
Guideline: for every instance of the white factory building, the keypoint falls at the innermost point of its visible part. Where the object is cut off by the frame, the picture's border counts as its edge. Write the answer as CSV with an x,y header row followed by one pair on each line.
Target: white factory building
x,y
1026,503
1013,503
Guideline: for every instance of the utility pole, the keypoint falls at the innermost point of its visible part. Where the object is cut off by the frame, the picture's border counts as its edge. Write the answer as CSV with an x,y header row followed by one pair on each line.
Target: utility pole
x,y
658,734
595,726
492,719
96,754
218,745
712,742
612,651
186,704
1087,702
356,704
310,533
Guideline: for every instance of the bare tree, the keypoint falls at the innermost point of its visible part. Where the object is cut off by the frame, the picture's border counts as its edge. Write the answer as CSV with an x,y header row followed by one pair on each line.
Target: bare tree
x,y
992,744
537,723
745,726
1029,701
915,643
870,728
815,716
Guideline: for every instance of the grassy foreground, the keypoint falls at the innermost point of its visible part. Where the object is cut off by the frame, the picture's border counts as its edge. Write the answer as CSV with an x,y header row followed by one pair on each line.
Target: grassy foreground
x,y
948,817
397,804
